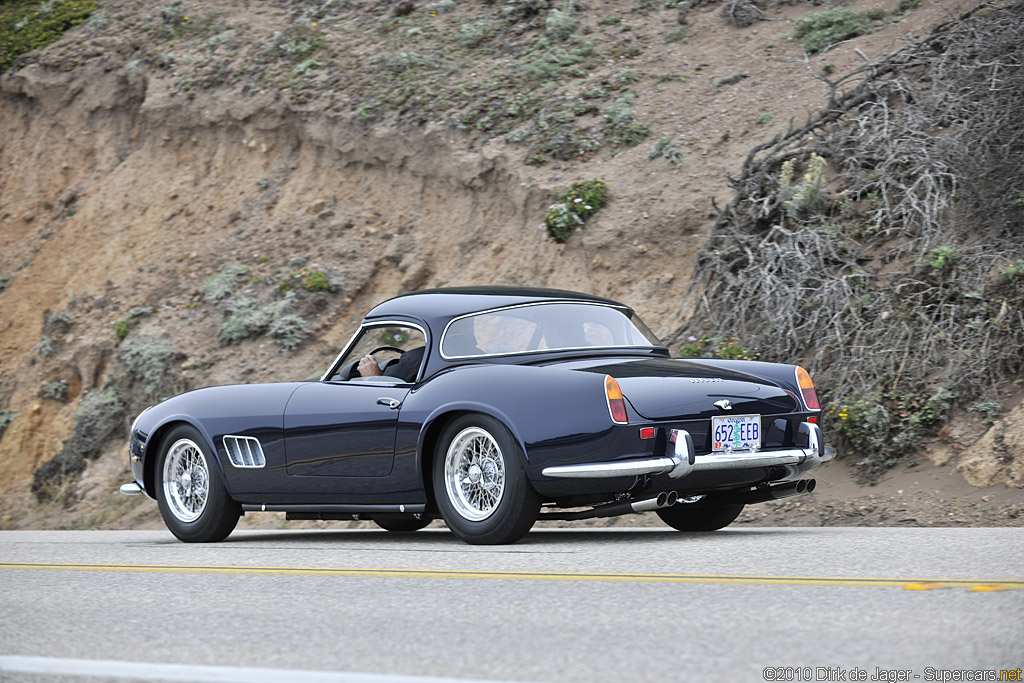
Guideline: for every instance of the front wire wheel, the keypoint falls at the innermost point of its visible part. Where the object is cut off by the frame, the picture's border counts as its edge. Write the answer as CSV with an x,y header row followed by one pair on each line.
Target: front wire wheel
x,y
191,495
186,480
482,491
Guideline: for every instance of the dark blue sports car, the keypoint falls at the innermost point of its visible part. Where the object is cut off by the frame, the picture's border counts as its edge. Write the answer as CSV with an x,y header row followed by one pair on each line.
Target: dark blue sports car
x,y
490,408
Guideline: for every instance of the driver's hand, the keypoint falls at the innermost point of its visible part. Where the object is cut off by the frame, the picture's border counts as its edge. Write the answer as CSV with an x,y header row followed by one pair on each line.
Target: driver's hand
x,y
368,366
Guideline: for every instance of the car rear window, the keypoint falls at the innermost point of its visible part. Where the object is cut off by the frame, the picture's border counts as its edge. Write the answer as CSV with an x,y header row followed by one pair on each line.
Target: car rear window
x,y
532,328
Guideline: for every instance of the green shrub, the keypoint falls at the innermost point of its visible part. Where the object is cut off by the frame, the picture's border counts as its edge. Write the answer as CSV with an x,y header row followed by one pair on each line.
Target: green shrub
x,y
394,336
296,43
574,206
885,427
126,322
223,284
664,148
941,258
308,279
5,281
101,416
991,408
31,24
679,35
834,25
473,33
248,318
153,364
288,331
731,79
58,391
46,347
560,25
809,196
624,78
620,121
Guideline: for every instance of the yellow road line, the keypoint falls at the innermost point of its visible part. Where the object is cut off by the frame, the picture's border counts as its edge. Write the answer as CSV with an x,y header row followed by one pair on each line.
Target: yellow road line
x,y
1011,584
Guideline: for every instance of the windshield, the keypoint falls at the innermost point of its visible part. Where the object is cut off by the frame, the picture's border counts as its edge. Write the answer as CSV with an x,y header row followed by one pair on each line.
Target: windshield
x,y
544,327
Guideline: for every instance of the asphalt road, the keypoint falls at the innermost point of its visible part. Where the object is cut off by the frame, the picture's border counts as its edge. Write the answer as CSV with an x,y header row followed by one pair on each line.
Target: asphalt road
x,y
561,605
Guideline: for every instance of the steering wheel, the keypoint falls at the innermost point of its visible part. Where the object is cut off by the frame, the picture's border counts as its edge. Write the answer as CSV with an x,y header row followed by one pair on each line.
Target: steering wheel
x,y
388,348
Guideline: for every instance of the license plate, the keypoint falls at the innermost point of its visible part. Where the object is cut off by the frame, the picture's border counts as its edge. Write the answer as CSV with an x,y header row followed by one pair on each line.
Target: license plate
x,y
736,433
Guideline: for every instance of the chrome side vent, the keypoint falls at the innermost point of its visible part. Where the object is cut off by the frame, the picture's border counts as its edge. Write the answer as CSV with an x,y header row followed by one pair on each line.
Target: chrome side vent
x,y
244,451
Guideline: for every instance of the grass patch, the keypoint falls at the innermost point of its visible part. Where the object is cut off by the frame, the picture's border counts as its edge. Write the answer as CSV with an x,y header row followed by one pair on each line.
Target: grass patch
x,y
31,24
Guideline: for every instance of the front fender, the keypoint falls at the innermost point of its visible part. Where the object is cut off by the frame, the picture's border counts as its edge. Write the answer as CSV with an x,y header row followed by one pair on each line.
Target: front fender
x,y
213,412
155,434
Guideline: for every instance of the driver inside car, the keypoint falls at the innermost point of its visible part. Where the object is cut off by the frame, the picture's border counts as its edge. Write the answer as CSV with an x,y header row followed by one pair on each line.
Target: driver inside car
x,y
405,369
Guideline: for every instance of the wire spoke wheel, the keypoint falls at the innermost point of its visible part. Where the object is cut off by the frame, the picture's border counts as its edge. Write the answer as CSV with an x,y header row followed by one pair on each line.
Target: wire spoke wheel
x,y
186,480
190,490
474,474
480,486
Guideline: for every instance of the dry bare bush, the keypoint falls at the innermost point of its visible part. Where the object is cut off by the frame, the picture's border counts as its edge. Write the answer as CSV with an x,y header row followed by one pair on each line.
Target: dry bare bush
x,y
742,12
898,279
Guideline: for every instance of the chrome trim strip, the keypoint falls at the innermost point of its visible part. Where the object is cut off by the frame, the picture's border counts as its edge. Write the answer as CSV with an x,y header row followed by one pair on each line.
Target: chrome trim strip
x,y
683,461
444,332
377,323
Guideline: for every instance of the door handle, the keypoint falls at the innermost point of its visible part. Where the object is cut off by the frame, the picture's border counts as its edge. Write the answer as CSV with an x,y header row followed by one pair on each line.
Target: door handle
x,y
389,402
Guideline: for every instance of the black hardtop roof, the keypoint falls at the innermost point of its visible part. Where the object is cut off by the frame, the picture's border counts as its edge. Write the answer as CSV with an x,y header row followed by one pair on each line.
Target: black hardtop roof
x,y
449,302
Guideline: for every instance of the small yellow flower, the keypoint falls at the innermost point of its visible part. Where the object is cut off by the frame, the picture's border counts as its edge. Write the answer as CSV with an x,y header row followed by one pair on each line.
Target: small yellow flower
x,y
186,18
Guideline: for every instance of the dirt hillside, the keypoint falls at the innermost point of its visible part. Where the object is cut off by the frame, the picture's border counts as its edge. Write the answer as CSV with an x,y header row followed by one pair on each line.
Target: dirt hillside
x,y
161,179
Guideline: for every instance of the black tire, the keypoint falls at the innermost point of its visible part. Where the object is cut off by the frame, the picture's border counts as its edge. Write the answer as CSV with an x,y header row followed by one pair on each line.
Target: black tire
x,y
493,503
700,517
191,514
401,526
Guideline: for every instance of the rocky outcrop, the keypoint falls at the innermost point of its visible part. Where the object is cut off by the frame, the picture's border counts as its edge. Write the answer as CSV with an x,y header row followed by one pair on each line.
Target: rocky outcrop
x,y
998,457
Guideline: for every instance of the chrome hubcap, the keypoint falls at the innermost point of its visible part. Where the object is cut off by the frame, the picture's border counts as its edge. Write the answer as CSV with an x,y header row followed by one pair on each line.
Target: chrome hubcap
x,y
186,480
474,474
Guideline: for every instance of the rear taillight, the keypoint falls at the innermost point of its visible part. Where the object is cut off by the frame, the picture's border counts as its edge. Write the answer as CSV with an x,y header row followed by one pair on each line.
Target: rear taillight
x,y
807,389
616,403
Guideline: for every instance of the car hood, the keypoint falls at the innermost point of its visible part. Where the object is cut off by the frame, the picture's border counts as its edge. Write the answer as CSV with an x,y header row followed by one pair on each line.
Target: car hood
x,y
666,389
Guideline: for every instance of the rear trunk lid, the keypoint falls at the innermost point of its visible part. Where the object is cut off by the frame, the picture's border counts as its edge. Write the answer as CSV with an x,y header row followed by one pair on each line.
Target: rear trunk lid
x,y
671,389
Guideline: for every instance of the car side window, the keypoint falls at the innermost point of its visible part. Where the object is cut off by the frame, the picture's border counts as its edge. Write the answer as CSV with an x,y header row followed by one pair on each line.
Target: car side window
x,y
397,352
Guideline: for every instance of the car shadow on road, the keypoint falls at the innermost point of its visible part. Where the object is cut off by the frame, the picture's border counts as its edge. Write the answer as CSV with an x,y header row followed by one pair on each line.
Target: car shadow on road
x,y
440,538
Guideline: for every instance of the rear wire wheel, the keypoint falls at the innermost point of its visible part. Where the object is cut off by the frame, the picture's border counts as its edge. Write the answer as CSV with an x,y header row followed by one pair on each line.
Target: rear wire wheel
x,y
700,516
190,491
482,491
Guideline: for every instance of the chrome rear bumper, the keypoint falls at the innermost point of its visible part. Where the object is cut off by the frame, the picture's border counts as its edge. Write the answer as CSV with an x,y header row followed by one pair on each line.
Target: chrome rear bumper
x,y
683,460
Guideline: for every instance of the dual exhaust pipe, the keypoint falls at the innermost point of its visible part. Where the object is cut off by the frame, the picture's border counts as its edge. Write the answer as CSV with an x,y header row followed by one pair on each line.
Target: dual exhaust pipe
x,y
777,492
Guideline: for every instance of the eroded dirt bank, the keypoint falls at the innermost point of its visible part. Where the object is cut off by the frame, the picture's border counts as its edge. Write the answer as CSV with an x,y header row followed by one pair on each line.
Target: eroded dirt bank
x,y
122,199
